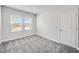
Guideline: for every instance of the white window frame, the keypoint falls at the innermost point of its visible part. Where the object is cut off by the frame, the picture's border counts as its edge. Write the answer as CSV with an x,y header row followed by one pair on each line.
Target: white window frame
x,y
23,28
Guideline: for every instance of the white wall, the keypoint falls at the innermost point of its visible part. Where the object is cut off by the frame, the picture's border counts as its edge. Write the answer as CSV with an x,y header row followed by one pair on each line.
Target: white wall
x,y
47,25
0,23
7,34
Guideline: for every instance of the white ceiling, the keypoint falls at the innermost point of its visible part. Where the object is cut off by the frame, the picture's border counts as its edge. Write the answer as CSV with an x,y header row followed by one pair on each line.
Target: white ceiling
x,y
36,9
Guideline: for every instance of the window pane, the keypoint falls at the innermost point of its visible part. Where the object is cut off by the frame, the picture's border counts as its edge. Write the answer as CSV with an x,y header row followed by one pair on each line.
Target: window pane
x,y
16,23
27,23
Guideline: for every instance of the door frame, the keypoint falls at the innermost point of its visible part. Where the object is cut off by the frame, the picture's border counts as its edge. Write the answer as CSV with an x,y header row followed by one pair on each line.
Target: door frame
x,y
0,26
77,28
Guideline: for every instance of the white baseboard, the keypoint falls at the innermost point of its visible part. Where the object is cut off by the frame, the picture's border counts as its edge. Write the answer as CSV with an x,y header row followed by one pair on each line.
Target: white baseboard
x,y
53,40
48,38
38,35
15,38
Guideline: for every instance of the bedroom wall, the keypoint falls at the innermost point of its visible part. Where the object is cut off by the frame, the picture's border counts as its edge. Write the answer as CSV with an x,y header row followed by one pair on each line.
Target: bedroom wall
x,y
7,34
47,25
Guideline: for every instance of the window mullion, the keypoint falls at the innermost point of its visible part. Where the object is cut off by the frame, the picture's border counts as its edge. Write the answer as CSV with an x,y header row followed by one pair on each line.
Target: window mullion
x,y
23,24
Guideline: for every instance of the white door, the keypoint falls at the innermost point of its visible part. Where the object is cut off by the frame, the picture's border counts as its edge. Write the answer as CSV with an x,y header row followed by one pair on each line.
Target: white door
x,y
67,29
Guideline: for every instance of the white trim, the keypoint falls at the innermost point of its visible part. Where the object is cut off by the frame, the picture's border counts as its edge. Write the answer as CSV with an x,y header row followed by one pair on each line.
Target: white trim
x,y
53,40
0,42
0,25
48,38
77,14
15,38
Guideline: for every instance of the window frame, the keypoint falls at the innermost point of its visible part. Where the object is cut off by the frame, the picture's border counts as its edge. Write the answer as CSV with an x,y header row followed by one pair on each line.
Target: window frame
x,y
23,28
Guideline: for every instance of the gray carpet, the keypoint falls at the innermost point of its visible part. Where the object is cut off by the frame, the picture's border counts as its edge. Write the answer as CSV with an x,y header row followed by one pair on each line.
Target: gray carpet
x,y
35,44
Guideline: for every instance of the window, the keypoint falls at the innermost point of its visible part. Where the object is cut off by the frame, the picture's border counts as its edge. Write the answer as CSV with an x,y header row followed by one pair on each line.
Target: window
x,y
27,23
19,23
16,23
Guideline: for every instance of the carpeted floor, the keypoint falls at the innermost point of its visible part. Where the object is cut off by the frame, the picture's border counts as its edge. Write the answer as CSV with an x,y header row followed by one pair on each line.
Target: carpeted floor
x,y
35,44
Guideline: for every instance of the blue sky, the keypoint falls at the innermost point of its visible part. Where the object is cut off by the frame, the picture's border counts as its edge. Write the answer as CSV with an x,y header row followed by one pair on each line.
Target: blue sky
x,y
26,20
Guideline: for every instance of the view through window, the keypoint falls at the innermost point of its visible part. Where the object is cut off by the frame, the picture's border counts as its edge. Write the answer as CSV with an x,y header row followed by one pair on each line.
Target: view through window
x,y
27,23
19,23
16,23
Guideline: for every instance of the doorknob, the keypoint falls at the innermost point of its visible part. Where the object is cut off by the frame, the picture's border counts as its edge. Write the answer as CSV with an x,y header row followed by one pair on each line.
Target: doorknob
x,y
61,30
